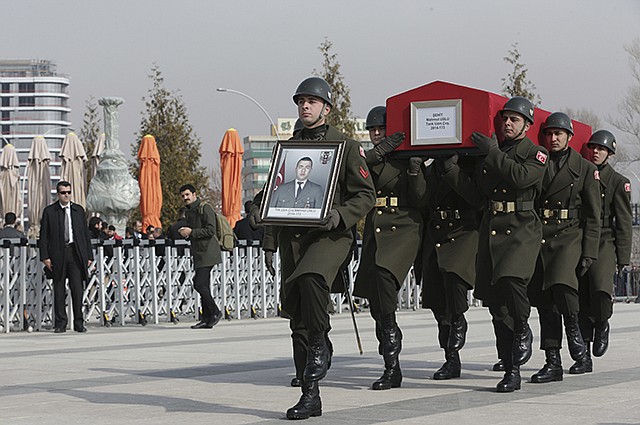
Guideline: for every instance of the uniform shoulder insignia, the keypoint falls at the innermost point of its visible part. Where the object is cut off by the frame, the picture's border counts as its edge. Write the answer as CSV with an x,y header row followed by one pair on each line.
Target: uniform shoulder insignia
x,y
364,173
362,152
627,187
542,157
596,175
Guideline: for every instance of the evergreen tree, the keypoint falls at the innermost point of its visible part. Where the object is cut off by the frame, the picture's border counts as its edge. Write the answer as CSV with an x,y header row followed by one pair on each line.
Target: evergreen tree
x,y
516,83
340,116
165,117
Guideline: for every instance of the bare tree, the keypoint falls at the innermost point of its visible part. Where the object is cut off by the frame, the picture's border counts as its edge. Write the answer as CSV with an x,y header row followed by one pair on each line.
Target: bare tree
x,y
584,115
516,83
629,108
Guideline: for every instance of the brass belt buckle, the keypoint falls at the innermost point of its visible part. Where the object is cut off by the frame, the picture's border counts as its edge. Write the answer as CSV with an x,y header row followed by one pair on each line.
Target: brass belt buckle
x,y
381,202
563,214
547,213
497,206
456,214
393,202
510,207
443,214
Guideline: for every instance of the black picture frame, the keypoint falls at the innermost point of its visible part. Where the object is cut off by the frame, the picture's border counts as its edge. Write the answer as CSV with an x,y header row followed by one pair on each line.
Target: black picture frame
x,y
284,203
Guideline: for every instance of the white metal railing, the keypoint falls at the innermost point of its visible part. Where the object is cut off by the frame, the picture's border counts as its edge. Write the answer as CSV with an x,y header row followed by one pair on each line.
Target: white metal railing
x,y
148,282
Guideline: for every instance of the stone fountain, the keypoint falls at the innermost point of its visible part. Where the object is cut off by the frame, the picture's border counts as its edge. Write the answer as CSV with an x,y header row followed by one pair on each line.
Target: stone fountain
x,y
113,192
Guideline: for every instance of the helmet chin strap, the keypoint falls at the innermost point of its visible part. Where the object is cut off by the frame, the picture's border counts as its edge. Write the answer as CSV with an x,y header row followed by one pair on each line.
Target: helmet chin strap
x,y
518,135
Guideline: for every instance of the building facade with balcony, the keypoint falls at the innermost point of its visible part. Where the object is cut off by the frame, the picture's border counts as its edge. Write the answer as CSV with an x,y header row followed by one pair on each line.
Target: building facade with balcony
x,y
34,101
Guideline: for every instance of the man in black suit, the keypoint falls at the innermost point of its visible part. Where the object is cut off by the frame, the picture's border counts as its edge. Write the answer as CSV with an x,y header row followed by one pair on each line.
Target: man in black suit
x,y
65,250
301,192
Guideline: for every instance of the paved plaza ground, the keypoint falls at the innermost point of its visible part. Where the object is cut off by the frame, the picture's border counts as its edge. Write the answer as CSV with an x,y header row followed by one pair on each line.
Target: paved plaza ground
x,y
238,373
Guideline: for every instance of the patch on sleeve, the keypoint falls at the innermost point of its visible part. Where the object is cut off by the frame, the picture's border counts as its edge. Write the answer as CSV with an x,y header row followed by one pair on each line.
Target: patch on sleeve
x,y
362,152
596,175
364,173
542,157
627,187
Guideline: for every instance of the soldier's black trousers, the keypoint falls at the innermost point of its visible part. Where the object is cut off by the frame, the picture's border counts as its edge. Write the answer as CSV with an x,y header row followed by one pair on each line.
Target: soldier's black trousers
x,y
383,297
550,329
309,295
447,294
511,292
593,308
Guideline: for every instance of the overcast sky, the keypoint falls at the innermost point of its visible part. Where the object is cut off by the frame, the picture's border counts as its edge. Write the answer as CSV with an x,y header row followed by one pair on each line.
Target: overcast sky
x,y
573,49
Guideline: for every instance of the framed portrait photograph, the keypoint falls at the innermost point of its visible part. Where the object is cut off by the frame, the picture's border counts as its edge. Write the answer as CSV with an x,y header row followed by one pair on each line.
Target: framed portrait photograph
x,y
301,182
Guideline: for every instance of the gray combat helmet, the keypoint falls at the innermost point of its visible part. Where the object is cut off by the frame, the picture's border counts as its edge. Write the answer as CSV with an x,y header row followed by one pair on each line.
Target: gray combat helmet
x,y
603,138
377,117
314,86
559,120
521,105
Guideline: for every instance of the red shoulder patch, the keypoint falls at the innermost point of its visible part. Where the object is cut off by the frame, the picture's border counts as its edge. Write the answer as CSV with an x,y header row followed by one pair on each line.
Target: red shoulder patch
x,y
542,157
627,187
596,175
364,173
362,152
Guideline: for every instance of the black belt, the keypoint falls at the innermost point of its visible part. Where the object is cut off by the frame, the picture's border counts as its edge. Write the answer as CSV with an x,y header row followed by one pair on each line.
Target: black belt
x,y
559,214
510,206
450,214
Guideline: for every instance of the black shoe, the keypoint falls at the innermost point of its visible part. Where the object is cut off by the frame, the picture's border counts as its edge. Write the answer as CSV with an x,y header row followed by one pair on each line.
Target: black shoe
x,y
510,382
309,404
59,330
552,369
199,325
296,382
498,367
583,365
215,319
391,378
450,369
457,334
601,341
81,329
522,340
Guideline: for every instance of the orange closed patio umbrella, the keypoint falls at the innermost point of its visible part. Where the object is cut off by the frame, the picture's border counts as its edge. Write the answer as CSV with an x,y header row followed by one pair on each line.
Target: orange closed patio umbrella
x,y
149,181
231,169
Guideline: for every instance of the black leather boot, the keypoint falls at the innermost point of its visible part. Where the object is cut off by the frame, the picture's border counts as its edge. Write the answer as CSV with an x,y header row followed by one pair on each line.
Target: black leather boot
x,y
329,347
391,347
585,364
379,335
574,337
457,334
451,367
498,366
511,380
601,340
309,403
522,340
552,369
318,358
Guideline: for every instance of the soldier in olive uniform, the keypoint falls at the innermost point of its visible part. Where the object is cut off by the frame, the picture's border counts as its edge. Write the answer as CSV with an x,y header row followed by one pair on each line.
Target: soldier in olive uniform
x,y
391,241
449,249
569,207
310,258
507,182
596,288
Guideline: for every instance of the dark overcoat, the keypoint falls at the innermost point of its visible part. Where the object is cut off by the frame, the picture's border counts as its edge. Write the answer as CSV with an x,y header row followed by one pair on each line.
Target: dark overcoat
x,y
615,233
451,239
51,241
310,250
392,233
574,191
310,196
509,242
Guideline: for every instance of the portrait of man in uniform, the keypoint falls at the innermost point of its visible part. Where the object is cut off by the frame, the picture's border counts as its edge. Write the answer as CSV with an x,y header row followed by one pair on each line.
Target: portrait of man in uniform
x,y
300,192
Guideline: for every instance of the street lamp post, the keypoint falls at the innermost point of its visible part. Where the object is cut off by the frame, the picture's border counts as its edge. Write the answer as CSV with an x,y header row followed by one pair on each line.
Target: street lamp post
x,y
275,128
